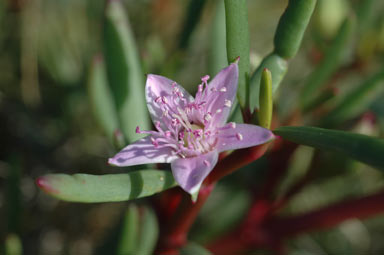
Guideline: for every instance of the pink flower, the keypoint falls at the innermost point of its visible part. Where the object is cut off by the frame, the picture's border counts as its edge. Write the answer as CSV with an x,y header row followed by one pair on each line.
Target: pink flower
x,y
191,132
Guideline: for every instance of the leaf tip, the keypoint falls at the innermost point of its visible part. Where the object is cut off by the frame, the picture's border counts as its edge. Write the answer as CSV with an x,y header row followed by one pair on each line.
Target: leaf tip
x,y
44,184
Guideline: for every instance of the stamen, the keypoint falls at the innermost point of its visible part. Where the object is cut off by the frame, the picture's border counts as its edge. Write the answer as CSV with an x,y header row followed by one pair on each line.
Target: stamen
x,y
205,78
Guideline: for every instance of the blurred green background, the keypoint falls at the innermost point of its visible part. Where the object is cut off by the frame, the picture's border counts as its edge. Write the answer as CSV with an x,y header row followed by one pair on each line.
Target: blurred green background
x,y
47,124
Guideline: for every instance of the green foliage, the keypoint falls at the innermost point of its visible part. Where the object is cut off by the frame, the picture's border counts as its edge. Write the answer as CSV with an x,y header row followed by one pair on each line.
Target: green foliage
x,y
363,148
291,28
236,14
124,71
278,67
357,101
266,100
329,65
101,99
87,188
194,249
140,231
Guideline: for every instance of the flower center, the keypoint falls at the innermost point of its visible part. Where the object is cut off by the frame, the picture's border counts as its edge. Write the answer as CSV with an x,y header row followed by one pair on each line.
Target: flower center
x,y
188,127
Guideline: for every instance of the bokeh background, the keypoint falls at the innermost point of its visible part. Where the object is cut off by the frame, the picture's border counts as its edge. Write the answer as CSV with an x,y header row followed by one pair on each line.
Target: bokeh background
x,y
47,124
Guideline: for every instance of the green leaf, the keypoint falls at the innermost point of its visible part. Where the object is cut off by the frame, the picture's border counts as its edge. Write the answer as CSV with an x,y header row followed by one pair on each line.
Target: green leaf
x,y
266,100
124,71
278,67
194,249
88,188
13,245
149,232
193,15
363,148
328,66
291,27
357,101
100,97
236,17
129,232
218,46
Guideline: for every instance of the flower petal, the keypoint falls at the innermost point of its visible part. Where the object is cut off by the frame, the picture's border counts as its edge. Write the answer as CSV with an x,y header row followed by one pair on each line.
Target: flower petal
x,y
189,173
224,83
236,136
159,86
142,152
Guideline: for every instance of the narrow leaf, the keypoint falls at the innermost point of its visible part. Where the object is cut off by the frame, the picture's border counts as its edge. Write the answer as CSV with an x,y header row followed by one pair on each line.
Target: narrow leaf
x,y
369,150
278,67
88,188
218,46
236,16
291,27
100,97
124,70
266,101
129,232
329,64
194,249
357,101
149,232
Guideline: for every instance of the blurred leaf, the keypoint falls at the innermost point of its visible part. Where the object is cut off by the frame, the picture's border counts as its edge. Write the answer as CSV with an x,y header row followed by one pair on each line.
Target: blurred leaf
x,y
101,99
369,150
124,71
291,27
106,188
218,46
129,232
329,64
193,15
357,101
278,67
236,18
266,100
149,232
194,249
13,245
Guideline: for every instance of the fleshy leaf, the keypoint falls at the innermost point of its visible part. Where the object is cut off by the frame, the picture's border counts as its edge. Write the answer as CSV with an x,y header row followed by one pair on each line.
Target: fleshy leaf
x,y
88,188
101,99
124,70
149,232
369,150
236,19
194,249
129,231
266,100
331,61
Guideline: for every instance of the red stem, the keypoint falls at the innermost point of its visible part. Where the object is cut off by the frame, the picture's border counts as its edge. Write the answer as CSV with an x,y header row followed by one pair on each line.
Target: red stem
x,y
175,236
328,216
235,161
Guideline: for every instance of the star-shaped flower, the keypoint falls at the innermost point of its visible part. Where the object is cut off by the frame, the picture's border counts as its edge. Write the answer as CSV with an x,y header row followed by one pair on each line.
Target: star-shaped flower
x,y
191,132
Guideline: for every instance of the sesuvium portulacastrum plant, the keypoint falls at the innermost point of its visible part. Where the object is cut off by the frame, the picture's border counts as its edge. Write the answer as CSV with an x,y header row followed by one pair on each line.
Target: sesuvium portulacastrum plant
x,y
191,132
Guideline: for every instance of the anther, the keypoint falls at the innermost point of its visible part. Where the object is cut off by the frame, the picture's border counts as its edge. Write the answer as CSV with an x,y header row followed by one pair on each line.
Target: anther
x,y
239,136
233,125
205,78
227,103
206,163
223,89
138,130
